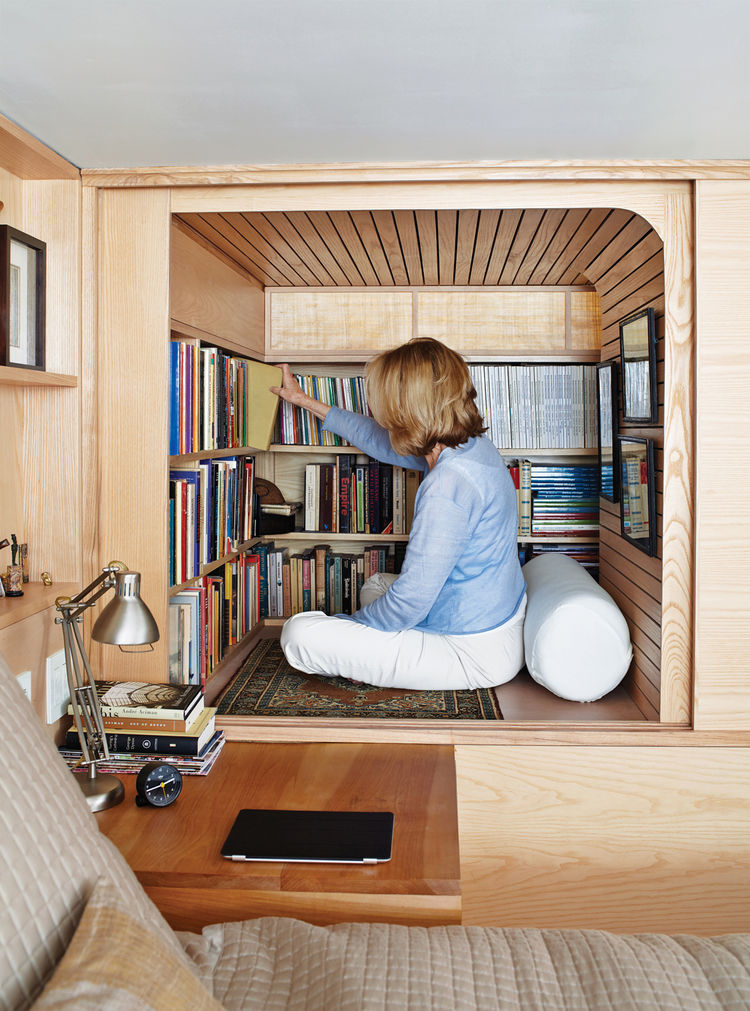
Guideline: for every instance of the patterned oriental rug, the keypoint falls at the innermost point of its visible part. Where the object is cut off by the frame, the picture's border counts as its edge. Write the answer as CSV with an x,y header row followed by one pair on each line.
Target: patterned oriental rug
x,y
268,686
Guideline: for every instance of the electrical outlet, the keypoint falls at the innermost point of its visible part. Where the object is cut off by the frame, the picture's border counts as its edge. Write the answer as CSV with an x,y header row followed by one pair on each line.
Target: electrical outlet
x,y
24,681
58,692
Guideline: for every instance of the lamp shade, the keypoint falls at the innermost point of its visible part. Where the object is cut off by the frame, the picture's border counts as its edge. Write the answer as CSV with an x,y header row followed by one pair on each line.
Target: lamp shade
x,y
126,621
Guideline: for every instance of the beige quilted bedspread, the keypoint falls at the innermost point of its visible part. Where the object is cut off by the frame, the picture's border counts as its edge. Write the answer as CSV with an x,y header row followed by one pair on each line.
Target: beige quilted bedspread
x,y
275,963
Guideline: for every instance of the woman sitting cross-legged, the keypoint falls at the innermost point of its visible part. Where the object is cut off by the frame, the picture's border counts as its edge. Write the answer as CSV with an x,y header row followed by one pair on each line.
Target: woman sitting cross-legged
x,y
453,617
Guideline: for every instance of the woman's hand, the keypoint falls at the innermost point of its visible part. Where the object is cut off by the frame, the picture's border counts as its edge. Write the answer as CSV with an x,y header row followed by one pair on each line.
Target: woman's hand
x,y
291,391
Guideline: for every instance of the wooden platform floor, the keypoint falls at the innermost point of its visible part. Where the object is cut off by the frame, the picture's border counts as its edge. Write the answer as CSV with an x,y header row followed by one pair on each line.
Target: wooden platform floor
x,y
523,700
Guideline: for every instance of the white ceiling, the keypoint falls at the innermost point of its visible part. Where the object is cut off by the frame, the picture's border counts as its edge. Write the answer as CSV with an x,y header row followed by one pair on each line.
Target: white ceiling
x,y
116,83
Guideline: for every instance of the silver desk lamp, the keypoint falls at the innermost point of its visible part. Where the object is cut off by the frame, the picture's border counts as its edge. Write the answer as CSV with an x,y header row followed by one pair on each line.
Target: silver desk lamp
x,y
125,621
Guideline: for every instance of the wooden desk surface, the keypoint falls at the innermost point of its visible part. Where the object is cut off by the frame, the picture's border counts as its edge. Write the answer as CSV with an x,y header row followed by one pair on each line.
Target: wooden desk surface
x,y
175,852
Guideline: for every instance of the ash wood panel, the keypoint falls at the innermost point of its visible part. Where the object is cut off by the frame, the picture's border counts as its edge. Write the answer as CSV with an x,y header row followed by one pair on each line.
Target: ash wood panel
x,y
650,271
446,230
607,231
406,226
303,225
504,320
506,231
217,232
525,233
281,224
587,228
178,853
428,245
622,247
385,226
562,238
133,341
270,267
487,226
324,225
621,839
351,238
722,518
207,295
585,321
466,238
545,233
12,376
288,254
326,320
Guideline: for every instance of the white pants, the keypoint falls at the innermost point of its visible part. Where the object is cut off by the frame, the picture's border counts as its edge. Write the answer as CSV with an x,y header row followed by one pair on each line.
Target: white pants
x,y
316,643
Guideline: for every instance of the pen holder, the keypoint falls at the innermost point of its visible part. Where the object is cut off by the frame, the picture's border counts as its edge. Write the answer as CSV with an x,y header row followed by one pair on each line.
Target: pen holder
x,y
13,581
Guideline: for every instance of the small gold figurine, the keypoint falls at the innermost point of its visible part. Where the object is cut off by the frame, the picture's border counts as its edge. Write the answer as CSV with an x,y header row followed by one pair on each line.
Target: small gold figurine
x,y
47,579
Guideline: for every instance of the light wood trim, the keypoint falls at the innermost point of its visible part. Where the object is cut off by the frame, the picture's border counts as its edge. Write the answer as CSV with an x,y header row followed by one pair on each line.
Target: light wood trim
x,y
562,171
208,295
27,158
722,577
11,376
678,508
621,839
190,226
645,198
133,357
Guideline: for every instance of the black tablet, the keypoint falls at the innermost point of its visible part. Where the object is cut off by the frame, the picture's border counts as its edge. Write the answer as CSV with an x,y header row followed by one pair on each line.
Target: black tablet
x,y
350,837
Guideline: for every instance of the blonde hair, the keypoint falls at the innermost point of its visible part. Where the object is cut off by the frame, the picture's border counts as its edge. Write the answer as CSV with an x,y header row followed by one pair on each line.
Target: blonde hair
x,y
423,394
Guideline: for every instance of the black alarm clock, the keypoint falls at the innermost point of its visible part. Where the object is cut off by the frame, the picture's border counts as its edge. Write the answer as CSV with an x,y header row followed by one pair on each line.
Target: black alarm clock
x,y
158,784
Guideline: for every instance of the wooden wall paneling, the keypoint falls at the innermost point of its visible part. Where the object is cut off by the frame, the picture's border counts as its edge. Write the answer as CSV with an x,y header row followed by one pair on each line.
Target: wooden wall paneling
x,y
269,264
211,298
302,224
28,158
505,321
506,231
368,233
585,230
466,238
527,229
327,321
485,239
649,272
585,330
621,839
351,238
428,245
722,515
133,251
651,294
560,241
446,232
323,224
286,253
548,227
623,247
406,226
612,224
222,240
391,245
284,227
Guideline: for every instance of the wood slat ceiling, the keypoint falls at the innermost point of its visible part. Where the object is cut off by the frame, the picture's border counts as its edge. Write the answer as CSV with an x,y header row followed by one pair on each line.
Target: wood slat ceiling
x,y
465,247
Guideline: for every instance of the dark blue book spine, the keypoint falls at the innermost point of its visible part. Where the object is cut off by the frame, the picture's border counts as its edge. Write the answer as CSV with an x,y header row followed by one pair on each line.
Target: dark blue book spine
x,y
174,398
261,550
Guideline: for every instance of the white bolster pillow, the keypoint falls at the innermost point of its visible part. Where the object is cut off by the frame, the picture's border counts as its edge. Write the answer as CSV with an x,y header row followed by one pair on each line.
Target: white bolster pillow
x,y
576,639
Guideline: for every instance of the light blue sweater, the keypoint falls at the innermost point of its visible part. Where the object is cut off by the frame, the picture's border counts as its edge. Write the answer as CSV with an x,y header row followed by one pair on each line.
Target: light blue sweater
x,y
461,572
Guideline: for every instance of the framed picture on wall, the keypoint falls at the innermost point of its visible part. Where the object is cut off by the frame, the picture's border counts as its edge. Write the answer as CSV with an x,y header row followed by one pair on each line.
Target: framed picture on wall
x,y
22,282
606,398
637,492
638,357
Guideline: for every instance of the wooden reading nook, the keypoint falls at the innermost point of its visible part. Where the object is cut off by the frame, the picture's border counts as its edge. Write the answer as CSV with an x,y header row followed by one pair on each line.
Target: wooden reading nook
x,y
634,818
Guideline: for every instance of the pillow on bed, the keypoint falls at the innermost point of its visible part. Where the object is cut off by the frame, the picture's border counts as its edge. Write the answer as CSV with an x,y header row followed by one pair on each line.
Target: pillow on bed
x,y
575,637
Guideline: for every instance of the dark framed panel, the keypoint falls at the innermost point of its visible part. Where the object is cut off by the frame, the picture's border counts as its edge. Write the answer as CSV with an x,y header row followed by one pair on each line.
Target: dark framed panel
x,y
638,368
22,284
637,492
607,408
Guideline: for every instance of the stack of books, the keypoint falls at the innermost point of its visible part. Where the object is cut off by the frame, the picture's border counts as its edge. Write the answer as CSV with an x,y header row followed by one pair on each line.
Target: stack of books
x,y
152,722
359,495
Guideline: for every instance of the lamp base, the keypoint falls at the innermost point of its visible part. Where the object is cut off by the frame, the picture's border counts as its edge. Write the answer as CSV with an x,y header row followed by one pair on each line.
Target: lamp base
x,y
101,791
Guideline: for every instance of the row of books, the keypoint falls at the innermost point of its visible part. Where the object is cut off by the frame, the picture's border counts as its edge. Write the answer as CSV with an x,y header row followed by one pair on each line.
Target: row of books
x,y
556,500
586,555
538,406
210,511
214,614
359,496
144,722
295,426
217,400
319,579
